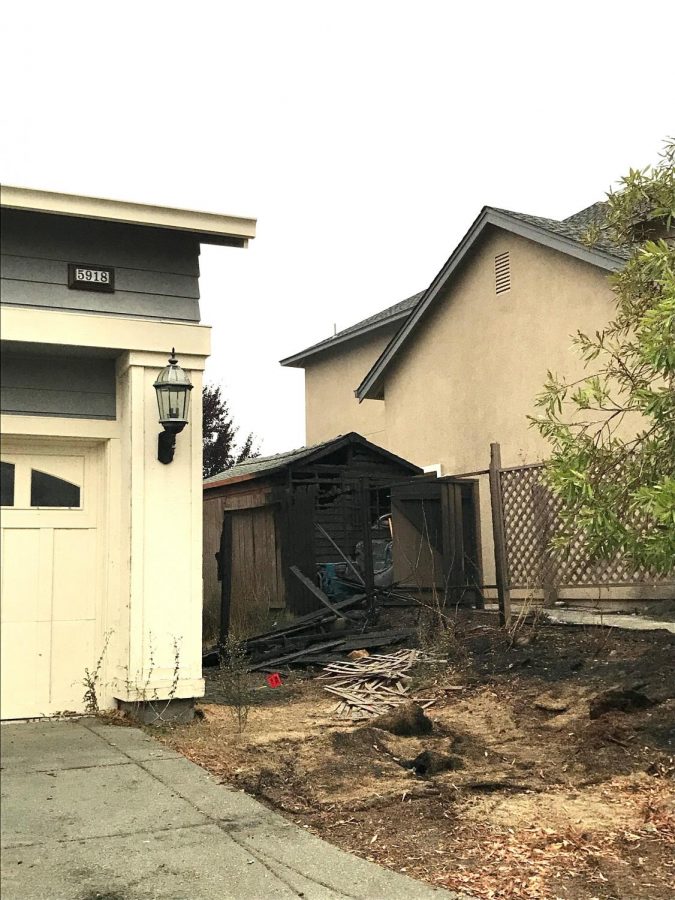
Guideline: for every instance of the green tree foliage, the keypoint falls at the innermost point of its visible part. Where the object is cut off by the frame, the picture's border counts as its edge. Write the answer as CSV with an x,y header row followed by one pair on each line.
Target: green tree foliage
x,y
612,433
220,435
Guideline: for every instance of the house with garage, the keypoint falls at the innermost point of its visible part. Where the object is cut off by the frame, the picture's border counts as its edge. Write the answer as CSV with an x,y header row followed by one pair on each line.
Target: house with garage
x,y
440,376
102,359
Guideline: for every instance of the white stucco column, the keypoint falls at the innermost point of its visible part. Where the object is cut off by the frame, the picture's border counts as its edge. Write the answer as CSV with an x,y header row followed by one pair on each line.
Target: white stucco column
x,y
162,537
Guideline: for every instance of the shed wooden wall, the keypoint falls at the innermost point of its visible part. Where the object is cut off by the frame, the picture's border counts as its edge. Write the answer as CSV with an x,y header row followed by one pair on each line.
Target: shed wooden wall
x,y
296,536
271,524
255,559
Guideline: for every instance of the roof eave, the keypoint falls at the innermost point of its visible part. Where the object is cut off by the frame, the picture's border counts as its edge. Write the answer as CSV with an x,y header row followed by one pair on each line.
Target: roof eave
x,y
207,486
237,479
207,228
372,386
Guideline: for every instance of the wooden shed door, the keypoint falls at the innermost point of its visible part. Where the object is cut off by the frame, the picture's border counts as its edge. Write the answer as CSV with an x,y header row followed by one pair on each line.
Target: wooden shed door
x,y
249,560
435,538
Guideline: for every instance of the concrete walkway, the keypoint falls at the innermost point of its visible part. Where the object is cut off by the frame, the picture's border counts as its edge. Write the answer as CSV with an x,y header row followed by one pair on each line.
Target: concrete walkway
x,y
608,620
576,615
98,812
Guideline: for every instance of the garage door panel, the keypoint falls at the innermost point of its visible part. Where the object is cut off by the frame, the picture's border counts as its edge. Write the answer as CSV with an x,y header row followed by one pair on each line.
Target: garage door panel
x,y
24,675
74,575
52,579
72,653
21,575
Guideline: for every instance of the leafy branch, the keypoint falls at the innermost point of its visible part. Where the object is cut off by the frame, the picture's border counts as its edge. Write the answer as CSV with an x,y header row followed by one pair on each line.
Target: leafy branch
x,y
612,432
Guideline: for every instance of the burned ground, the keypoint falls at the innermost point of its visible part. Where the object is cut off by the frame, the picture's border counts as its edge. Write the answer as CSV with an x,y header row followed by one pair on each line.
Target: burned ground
x,y
539,800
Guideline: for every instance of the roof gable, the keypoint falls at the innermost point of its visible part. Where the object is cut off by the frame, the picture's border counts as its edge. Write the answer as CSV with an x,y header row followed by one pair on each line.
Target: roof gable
x,y
565,236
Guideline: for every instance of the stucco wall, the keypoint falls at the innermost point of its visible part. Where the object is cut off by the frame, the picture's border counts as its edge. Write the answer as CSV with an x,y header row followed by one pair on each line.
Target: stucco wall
x,y
330,380
470,373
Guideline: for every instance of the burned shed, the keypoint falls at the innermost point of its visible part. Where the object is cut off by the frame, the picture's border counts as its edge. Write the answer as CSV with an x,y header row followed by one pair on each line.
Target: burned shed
x,y
294,509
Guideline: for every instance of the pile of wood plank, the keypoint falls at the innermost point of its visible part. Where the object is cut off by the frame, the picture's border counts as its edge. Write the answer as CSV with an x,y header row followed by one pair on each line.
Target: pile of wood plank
x,y
373,685
316,638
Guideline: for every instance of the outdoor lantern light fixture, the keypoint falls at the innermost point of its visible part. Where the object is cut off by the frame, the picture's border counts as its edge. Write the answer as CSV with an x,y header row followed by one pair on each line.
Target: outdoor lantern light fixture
x,y
173,399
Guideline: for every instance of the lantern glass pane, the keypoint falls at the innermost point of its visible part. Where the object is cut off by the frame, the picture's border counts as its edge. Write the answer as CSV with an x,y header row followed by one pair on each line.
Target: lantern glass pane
x,y
163,403
173,394
172,404
175,403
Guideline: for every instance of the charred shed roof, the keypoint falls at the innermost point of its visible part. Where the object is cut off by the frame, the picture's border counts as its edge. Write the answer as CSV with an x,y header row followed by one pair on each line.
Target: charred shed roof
x,y
263,466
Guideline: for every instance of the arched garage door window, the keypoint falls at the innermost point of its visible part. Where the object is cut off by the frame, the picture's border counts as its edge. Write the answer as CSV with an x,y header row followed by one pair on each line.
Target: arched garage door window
x,y
38,486
48,490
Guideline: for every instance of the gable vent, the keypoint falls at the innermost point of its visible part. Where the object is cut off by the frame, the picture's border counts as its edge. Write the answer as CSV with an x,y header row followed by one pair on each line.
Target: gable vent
x,y
502,273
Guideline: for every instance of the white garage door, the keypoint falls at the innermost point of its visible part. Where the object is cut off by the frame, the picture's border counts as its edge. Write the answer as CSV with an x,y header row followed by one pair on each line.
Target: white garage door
x,y
51,575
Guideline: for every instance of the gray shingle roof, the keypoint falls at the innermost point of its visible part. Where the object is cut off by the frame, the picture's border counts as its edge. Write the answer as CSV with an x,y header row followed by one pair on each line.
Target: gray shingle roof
x,y
589,215
567,236
268,464
390,314
574,227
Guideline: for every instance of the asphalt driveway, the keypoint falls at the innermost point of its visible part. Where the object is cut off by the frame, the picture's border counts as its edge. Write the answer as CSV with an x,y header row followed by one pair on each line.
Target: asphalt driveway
x,y
98,812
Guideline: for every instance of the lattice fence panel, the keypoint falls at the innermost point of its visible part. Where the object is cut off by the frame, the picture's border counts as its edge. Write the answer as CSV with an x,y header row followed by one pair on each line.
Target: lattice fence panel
x,y
531,520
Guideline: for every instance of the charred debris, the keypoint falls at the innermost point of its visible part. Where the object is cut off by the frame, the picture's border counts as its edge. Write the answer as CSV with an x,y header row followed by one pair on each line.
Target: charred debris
x,y
329,633
324,541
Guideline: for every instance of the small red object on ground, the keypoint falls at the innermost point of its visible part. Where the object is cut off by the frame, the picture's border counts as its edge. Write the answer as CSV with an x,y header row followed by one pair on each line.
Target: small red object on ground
x,y
274,680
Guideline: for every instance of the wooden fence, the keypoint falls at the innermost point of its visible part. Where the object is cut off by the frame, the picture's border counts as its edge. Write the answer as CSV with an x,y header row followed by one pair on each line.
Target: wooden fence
x,y
525,517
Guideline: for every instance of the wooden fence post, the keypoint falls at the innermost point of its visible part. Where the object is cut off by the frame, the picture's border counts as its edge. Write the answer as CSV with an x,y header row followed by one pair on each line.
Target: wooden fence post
x,y
501,570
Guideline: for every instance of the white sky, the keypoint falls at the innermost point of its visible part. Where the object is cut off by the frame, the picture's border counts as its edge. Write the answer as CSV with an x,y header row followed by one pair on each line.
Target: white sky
x,y
364,136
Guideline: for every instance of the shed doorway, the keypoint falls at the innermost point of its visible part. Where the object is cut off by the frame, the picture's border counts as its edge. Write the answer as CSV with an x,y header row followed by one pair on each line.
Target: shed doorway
x,y
436,546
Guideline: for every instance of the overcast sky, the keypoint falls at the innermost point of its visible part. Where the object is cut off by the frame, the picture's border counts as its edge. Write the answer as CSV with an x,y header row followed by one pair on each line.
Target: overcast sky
x,y
364,137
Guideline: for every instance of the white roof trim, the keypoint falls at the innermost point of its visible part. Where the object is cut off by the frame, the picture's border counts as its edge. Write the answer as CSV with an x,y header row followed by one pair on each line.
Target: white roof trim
x,y
207,227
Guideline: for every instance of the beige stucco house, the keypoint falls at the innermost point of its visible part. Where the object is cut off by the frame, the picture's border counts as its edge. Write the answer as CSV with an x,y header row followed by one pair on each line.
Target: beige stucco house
x,y
438,377
101,541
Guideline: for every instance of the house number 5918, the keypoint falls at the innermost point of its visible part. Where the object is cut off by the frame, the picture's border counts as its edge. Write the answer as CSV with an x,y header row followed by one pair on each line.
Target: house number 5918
x,y
91,278
92,275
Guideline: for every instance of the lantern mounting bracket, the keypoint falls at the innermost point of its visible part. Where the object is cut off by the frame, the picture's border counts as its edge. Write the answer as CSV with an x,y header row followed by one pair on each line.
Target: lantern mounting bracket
x,y
166,446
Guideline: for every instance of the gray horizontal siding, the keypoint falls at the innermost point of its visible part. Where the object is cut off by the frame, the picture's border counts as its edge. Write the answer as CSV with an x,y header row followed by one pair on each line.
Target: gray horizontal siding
x,y
58,296
48,271
57,386
156,272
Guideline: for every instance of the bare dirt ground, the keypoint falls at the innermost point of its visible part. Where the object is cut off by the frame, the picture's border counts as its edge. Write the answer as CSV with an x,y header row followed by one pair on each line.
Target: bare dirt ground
x,y
544,802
